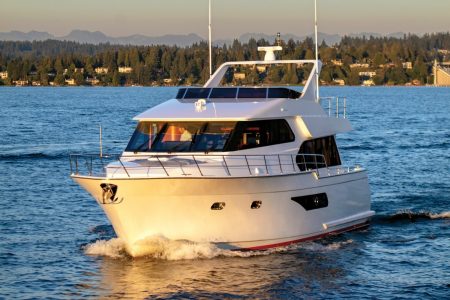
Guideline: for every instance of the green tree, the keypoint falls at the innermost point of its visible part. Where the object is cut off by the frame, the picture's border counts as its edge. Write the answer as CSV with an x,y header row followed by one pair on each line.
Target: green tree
x,y
116,78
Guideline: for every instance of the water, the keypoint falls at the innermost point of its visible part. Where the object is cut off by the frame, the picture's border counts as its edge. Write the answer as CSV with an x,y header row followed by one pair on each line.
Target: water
x,y
56,242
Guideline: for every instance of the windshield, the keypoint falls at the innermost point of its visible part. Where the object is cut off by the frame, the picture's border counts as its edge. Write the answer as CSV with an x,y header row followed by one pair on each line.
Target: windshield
x,y
208,136
180,136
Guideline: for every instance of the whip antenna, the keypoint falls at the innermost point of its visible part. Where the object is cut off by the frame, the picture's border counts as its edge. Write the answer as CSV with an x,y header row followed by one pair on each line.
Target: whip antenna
x,y
317,51
209,39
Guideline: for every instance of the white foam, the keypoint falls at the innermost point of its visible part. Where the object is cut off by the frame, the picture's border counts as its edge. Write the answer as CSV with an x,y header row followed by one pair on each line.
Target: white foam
x,y
113,248
162,248
442,215
318,247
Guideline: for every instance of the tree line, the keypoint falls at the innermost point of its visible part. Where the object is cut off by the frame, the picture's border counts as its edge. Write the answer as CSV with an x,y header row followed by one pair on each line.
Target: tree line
x,y
392,61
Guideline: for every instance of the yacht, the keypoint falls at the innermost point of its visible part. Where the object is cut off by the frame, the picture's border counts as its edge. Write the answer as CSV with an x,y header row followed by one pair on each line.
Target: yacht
x,y
245,168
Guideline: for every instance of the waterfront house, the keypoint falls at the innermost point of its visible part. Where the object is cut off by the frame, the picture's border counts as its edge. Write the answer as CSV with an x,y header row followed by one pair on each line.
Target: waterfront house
x,y
101,70
125,69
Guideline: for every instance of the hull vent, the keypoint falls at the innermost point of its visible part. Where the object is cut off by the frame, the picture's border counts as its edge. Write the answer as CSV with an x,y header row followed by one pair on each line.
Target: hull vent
x,y
311,202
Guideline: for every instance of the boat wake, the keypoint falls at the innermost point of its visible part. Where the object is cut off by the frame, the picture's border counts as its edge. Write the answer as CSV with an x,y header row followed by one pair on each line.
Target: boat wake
x,y
414,216
159,247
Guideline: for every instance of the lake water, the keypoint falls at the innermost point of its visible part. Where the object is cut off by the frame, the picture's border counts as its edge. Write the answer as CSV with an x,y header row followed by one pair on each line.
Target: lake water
x,y
57,243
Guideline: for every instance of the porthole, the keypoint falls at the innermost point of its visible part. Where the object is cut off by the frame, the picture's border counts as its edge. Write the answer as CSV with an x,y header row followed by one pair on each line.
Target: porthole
x,y
218,206
256,204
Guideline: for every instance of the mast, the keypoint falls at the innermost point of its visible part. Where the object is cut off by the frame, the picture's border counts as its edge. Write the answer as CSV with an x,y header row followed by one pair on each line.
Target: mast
x,y
209,39
317,51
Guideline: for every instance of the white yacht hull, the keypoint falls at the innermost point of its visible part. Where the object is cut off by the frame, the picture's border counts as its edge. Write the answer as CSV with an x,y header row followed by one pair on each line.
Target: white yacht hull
x,y
180,208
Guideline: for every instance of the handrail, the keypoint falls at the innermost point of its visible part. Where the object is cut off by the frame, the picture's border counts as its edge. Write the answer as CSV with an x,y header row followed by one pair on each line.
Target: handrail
x,y
201,165
335,108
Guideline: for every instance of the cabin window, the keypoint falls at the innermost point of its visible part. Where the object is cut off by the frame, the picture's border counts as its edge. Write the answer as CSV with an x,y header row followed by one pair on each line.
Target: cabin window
x,y
325,146
180,136
252,93
208,136
254,134
177,137
214,136
197,93
223,93
181,93
144,136
283,93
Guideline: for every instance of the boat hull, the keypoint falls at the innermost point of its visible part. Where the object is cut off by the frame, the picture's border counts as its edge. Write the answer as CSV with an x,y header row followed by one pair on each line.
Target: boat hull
x,y
181,208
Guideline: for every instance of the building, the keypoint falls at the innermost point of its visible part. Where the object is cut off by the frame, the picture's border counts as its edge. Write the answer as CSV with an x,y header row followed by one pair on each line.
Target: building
x,y
367,74
76,70
358,65
35,83
92,81
441,74
4,75
339,81
337,62
70,81
125,69
167,80
407,65
368,82
21,82
101,70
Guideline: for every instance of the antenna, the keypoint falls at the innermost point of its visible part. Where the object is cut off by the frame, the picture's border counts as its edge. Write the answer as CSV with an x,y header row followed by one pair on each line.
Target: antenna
x,y
100,140
278,39
210,46
317,51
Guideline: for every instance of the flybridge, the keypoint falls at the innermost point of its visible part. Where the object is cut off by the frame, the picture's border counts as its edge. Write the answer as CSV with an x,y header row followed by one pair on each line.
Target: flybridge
x,y
310,90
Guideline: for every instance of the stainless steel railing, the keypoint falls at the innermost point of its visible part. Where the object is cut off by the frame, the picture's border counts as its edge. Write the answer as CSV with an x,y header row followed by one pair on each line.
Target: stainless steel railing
x,y
337,106
197,165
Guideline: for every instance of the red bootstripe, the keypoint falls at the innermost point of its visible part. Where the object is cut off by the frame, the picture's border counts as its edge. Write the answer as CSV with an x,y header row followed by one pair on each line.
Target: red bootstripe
x,y
311,238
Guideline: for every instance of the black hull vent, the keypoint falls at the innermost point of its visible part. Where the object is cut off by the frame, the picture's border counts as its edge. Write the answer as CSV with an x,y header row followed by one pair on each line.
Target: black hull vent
x,y
311,202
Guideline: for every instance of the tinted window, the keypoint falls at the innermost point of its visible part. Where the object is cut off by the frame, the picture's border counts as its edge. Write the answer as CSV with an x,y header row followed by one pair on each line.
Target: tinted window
x,y
177,137
214,136
325,146
144,136
252,93
208,136
197,93
283,93
180,136
223,93
180,93
254,134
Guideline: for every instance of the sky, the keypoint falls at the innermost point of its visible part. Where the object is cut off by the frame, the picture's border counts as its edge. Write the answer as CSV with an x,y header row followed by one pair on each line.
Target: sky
x,y
231,18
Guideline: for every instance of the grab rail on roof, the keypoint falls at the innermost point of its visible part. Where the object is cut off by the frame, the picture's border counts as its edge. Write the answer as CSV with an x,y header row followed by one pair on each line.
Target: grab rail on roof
x,y
336,106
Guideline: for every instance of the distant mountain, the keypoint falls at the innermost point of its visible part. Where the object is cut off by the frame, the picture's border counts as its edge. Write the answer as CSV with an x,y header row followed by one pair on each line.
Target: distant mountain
x,y
97,37
25,36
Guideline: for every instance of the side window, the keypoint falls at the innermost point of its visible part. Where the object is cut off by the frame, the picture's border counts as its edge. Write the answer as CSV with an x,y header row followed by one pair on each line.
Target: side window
x,y
325,146
254,134
144,136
